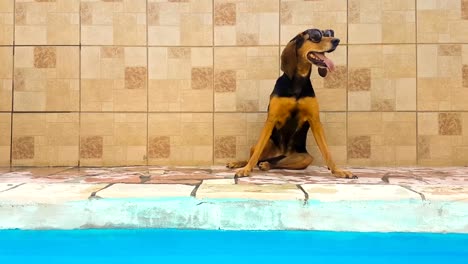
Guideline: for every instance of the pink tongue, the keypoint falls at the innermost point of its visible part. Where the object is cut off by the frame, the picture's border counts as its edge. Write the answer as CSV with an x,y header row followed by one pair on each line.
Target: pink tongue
x,y
327,61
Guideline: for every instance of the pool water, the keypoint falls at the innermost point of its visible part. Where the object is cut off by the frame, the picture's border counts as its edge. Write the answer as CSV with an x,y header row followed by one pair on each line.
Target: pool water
x,y
196,246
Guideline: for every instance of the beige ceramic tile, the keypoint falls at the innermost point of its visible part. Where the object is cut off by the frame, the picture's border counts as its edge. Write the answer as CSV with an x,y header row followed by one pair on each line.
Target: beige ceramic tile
x,y
47,22
146,191
46,78
186,23
382,138
299,15
116,22
246,22
443,139
181,79
235,134
45,139
244,77
334,125
442,21
347,192
109,139
5,138
6,74
180,139
382,77
442,77
331,90
381,21
6,22
113,79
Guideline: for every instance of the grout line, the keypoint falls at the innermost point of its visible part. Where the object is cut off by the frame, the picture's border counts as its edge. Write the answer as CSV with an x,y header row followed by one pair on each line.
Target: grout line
x,y
347,79
147,85
213,83
14,187
194,191
12,84
306,195
79,96
423,197
94,195
417,88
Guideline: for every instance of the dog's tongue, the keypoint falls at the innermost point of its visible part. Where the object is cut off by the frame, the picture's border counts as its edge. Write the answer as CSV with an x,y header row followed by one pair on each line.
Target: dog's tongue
x,y
327,61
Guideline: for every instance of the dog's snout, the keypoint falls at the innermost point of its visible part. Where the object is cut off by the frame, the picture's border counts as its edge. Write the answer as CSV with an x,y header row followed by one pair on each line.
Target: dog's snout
x,y
335,42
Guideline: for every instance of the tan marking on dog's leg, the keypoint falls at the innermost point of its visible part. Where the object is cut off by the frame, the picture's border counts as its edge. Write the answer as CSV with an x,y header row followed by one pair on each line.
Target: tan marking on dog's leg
x,y
308,107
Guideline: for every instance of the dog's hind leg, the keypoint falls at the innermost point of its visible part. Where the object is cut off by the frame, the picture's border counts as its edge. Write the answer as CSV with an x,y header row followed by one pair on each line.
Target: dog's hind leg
x,y
270,151
294,161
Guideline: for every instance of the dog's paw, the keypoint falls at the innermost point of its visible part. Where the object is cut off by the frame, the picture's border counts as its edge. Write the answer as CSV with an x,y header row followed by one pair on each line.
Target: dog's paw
x,y
244,172
344,174
236,164
264,166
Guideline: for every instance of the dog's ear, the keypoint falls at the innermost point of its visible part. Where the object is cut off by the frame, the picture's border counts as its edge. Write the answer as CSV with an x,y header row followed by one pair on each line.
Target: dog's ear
x,y
322,72
289,56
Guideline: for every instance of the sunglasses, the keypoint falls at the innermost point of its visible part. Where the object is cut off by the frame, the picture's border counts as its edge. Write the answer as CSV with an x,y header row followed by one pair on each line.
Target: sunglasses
x,y
315,35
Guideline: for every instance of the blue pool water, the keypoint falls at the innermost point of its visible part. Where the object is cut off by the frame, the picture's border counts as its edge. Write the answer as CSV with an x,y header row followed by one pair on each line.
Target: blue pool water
x,y
192,246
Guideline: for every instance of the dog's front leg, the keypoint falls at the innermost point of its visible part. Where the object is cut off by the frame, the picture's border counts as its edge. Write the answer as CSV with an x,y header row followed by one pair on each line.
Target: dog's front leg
x,y
262,141
309,106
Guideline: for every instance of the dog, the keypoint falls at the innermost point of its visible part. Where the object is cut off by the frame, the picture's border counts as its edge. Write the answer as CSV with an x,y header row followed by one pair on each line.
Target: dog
x,y
293,109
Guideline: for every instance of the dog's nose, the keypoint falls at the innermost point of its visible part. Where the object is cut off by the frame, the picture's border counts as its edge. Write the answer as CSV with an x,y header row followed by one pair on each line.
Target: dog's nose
x,y
335,42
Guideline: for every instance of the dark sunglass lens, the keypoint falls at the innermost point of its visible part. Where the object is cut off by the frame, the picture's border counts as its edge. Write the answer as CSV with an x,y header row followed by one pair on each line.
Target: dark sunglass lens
x,y
328,33
315,35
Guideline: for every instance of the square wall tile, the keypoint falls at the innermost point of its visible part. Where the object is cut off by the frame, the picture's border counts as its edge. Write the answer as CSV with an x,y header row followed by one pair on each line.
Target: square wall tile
x,y
244,77
45,139
382,139
186,23
111,139
442,77
180,139
443,139
115,22
47,22
299,15
5,138
113,79
334,126
246,22
442,21
331,90
235,134
46,78
181,79
6,22
381,21
382,77
6,74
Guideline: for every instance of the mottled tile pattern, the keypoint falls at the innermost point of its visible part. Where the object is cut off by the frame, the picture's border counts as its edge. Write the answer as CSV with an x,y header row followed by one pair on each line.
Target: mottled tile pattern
x,y
382,77
91,147
225,147
246,22
381,21
113,79
442,77
45,139
359,147
255,70
180,23
181,138
46,78
47,22
113,22
180,79
443,137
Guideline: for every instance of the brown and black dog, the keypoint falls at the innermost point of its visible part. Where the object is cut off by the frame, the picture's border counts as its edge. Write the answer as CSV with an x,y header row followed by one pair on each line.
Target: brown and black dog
x,y
293,109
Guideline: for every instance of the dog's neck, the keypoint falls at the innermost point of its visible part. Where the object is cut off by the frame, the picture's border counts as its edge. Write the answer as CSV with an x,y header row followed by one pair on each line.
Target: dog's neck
x,y
301,82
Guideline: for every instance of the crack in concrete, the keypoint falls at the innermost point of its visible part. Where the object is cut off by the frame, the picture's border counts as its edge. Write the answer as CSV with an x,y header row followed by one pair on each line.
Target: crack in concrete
x,y
93,194
14,187
423,197
194,191
306,195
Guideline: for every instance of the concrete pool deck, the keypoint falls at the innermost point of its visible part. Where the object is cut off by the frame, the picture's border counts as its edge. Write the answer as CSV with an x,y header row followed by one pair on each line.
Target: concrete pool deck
x,y
416,199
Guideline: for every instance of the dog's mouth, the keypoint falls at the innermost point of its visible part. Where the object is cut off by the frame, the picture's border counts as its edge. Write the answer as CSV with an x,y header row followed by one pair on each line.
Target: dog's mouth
x,y
319,59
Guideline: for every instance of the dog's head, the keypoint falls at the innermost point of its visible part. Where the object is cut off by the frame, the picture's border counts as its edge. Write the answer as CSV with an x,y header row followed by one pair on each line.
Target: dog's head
x,y
309,48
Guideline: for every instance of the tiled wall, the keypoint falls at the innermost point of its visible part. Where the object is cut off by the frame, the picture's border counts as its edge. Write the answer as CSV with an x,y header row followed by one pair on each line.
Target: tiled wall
x,y
130,82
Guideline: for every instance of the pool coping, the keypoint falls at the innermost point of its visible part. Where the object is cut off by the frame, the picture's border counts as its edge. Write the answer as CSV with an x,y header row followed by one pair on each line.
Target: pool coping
x,y
223,203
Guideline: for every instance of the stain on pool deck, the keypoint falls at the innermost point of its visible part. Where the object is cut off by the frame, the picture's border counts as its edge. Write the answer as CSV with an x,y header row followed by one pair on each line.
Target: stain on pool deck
x,y
382,199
